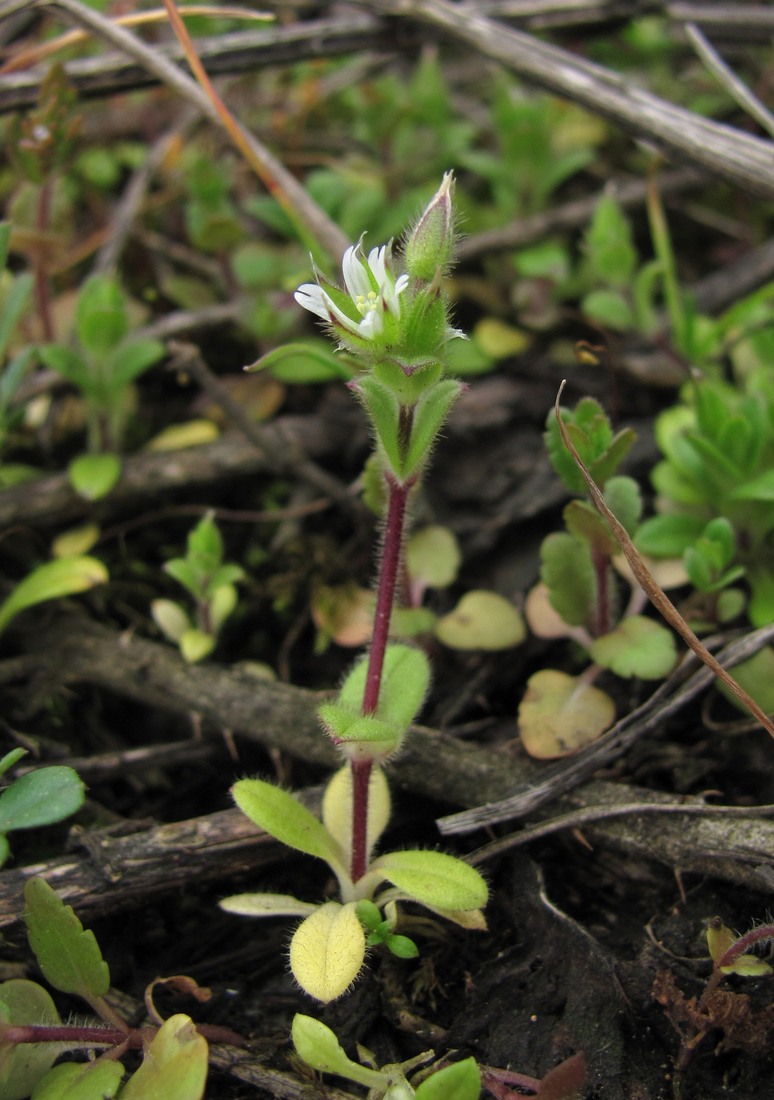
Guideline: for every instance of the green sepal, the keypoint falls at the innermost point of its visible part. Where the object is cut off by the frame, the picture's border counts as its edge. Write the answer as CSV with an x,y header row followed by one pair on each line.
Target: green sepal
x,y
430,412
407,383
68,955
283,817
433,878
461,1081
22,1065
637,647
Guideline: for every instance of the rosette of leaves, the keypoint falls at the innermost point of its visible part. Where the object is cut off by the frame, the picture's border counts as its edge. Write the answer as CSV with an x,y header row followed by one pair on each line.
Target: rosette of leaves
x,y
579,595
102,362
211,583
328,948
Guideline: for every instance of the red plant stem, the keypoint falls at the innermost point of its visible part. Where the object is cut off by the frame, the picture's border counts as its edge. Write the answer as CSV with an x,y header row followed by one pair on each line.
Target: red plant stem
x,y
82,1036
389,571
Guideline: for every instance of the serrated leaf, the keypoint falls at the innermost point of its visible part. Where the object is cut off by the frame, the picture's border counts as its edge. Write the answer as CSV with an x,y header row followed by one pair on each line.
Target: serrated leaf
x,y
461,1081
93,476
174,1066
40,798
327,951
75,1081
266,905
63,577
637,647
481,620
280,814
68,955
434,878
560,714
23,1065
568,572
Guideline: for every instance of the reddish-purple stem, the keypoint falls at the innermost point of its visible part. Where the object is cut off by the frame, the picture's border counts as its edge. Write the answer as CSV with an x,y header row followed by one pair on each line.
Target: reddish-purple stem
x,y
42,287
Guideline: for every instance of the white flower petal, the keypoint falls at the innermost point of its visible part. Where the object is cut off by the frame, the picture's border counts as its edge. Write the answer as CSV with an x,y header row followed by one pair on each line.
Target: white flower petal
x,y
355,275
313,297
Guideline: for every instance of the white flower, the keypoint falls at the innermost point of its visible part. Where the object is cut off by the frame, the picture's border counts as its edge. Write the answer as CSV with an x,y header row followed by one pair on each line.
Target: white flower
x,y
372,293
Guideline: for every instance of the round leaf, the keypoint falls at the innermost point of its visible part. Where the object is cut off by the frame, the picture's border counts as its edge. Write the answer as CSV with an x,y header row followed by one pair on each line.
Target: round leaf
x,y
637,647
93,476
559,714
481,620
22,1066
433,557
40,798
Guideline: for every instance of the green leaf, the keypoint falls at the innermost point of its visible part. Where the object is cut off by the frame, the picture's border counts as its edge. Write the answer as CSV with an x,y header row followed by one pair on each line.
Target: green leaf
x,y
337,807
481,620
610,253
12,757
623,498
40,798
266,905
757,488
434,878
195,645
75,1081
67,362
327,951
93,476
583,521
756,676
174,1066
15,301
101,317
382,407
560,714
280,814
430,412
63,577
69,957
171,619
23,1065
305,364
318,1046
637,647
608,308
461,1081
760,609
132,359
667,536
568,572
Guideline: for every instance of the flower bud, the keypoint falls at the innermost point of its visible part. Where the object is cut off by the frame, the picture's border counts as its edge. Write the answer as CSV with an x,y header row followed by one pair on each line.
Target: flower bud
x,y
429,245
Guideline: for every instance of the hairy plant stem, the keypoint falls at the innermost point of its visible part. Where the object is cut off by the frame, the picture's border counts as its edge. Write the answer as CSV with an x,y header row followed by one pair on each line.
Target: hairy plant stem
x,y
389,572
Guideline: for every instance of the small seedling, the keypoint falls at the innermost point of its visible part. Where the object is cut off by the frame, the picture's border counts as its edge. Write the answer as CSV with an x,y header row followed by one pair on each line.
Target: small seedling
x,y
319,1048
102,363
398,326
579,593
212,584
32,1035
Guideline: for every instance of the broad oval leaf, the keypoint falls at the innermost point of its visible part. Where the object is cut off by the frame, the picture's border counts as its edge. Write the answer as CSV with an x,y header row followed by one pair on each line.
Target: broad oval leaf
x,y
68,955
93,476
337,807
433,557
23,1065
327,951
174,1066
318,1046
434,878
40,798
637,647
560,714
481,620
280,814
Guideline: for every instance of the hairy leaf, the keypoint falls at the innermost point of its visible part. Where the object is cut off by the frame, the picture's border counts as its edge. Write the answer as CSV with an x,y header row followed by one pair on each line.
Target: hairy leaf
x,y
280,814
434,878
68,955
327,951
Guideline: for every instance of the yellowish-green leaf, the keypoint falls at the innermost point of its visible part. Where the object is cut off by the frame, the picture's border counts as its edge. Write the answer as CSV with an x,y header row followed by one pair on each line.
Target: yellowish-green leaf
x,y
93,476
318,1046
433,557
174,1066
497,339
721,939
559,714
280,814
266,905
23,1065
78,540
63,577
170,618
327,951
195,645
481,620
76,1081
637,647
194,433
337,807
434,878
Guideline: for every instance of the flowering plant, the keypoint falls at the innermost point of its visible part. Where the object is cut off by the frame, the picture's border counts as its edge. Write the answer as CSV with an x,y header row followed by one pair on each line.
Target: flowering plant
x,y
398,326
